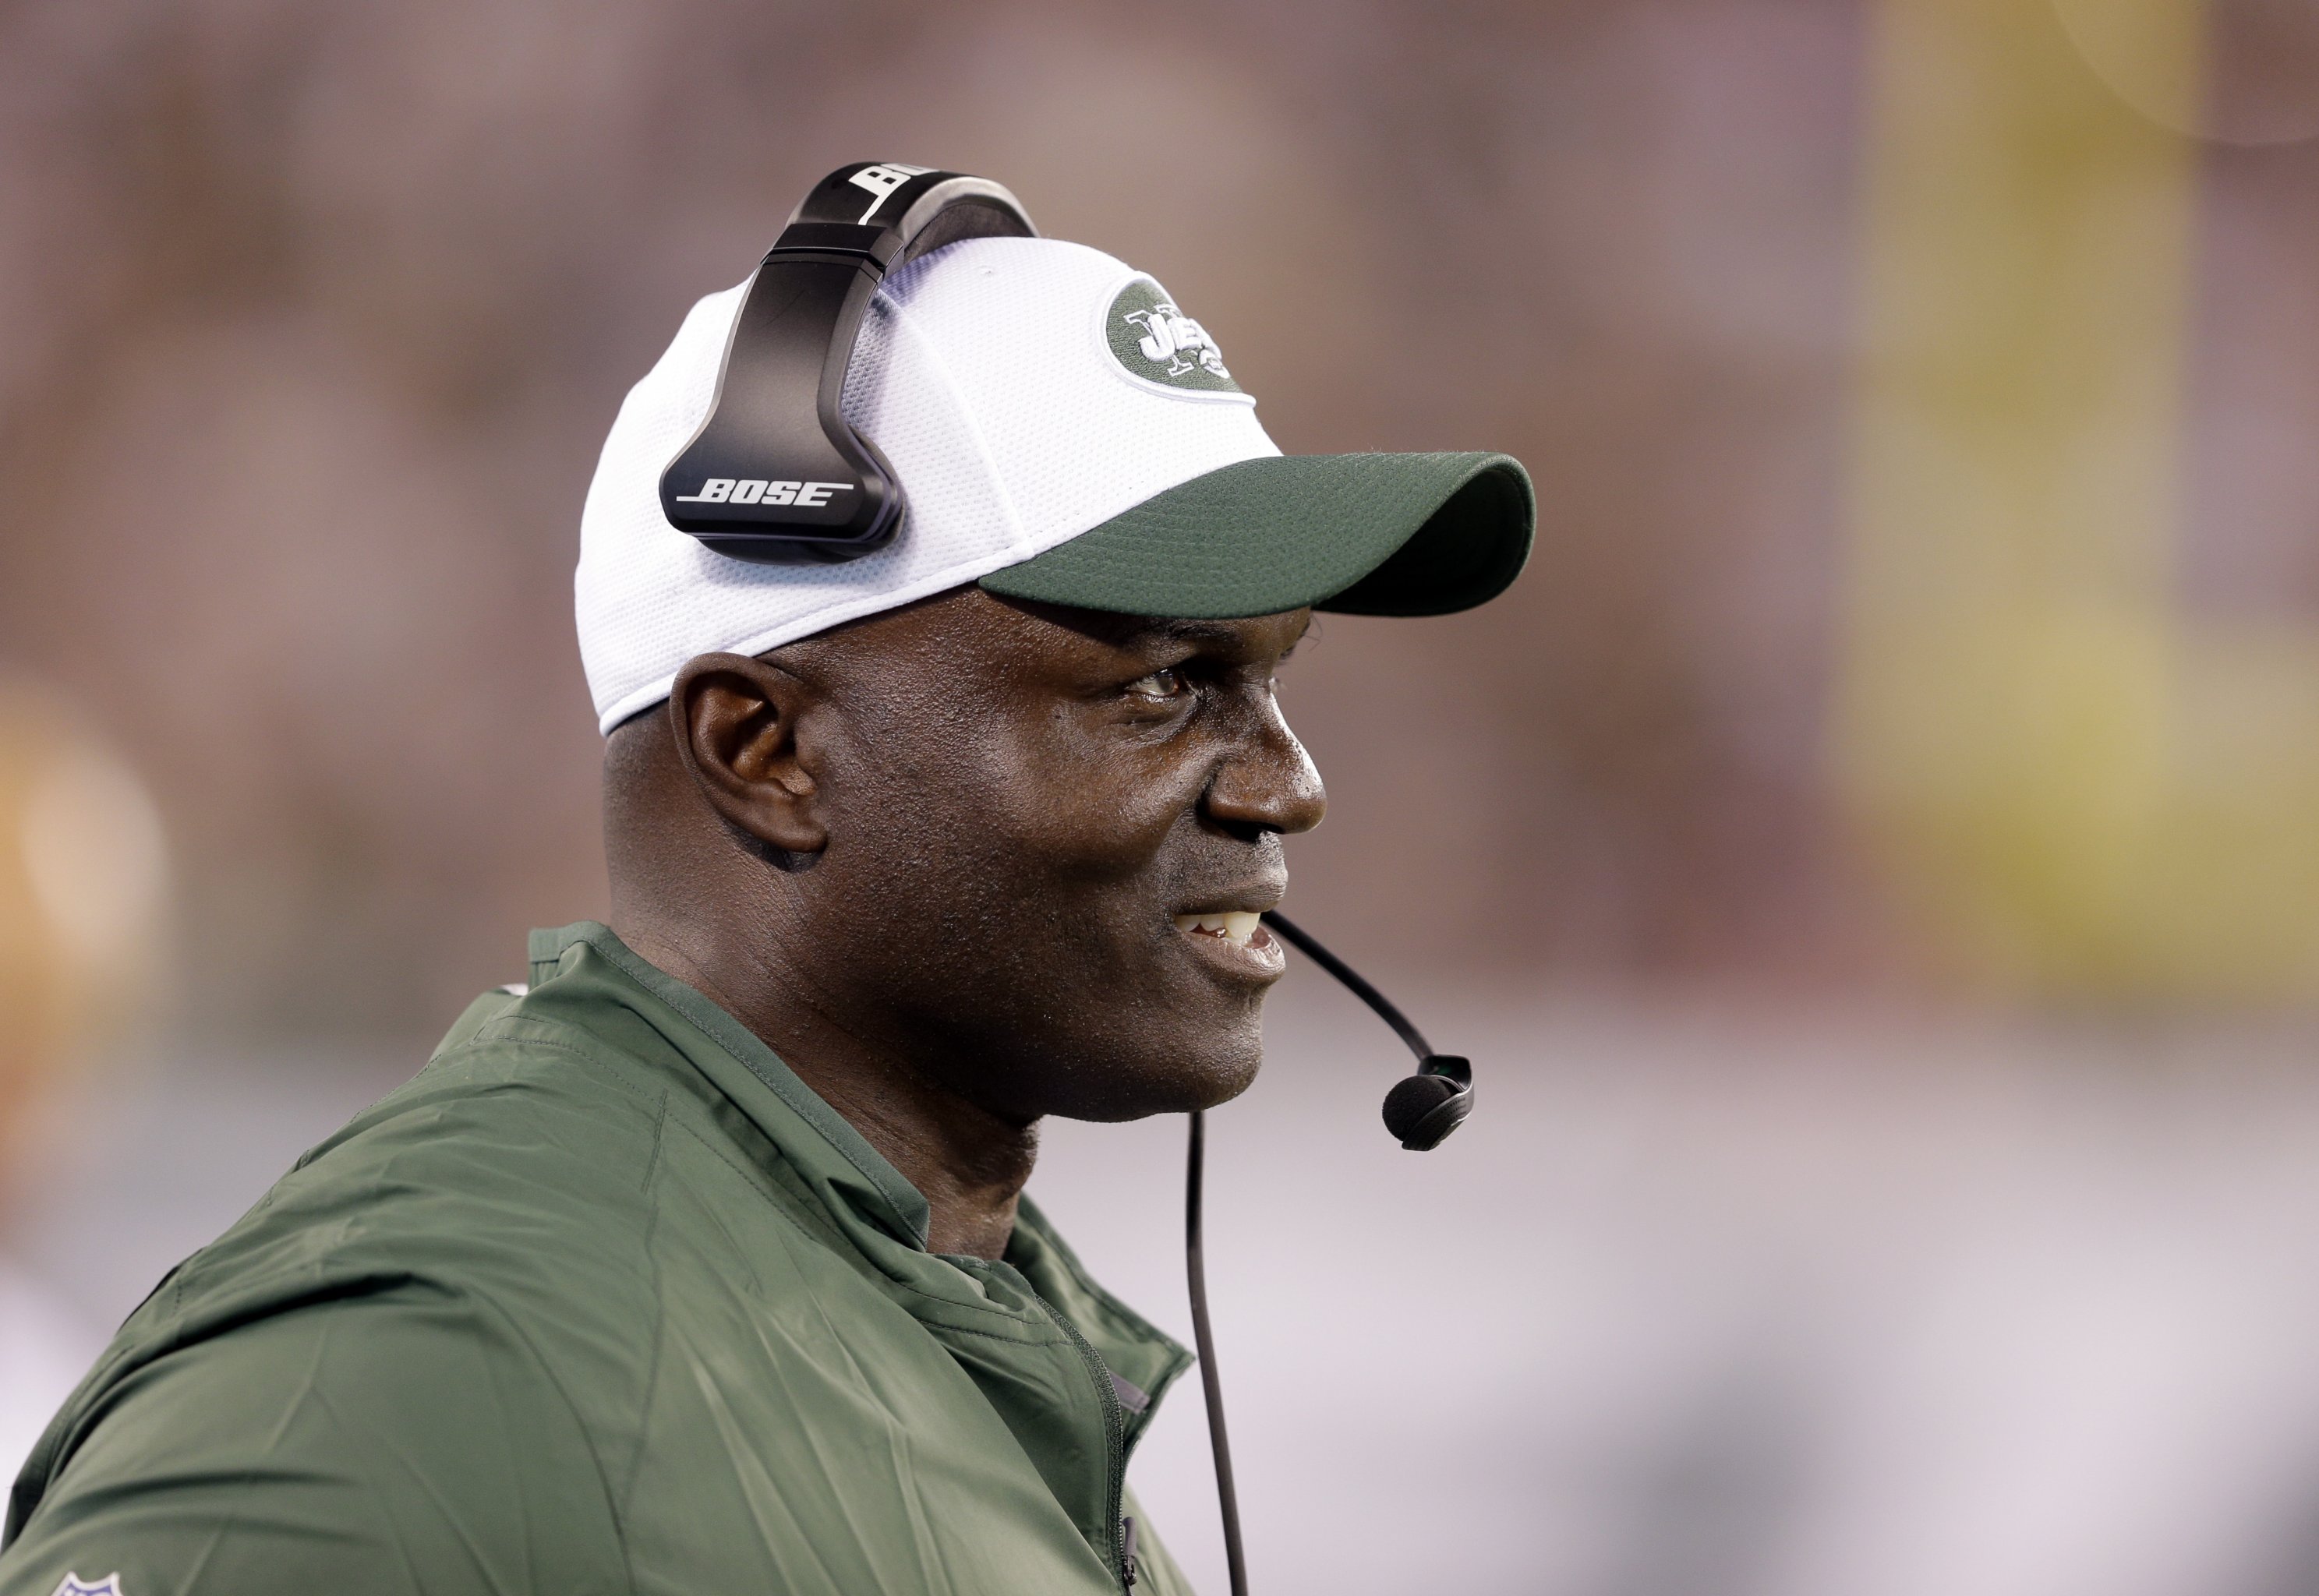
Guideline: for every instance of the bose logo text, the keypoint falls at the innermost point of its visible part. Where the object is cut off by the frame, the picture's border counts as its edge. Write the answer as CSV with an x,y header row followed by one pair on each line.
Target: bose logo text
x,y
726,490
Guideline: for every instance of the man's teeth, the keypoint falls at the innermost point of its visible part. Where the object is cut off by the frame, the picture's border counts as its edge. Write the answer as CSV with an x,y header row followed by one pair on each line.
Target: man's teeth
x,y
1235,926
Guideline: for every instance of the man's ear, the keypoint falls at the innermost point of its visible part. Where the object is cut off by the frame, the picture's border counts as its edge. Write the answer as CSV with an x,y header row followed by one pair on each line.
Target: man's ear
x,y
736,721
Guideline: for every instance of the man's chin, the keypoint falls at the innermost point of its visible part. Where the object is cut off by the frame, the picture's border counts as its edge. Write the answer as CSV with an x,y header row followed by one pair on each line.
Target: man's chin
x,y
1175,1085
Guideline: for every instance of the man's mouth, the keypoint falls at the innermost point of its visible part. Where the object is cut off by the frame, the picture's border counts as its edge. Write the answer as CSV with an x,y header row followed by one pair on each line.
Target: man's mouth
x,y
1236,926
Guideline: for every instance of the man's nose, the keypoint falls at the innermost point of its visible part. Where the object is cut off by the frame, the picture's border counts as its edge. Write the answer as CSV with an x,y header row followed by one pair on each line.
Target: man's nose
x,y
1269,782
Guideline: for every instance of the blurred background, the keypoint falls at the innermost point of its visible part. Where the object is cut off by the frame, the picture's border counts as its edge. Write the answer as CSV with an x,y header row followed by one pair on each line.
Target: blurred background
x,y
1874,853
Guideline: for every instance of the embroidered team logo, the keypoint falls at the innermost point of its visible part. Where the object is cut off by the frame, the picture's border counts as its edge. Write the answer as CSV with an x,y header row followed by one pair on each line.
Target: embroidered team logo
x,y
1154,342
74,1585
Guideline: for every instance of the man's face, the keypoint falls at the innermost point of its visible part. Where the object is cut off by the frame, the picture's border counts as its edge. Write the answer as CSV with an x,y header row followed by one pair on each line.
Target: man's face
x,y
1029,811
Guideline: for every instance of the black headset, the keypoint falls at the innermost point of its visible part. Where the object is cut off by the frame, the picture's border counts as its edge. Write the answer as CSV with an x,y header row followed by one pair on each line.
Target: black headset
x,y
775,473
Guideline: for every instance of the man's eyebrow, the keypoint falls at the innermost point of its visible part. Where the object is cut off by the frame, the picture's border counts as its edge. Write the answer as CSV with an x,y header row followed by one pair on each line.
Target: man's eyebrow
x,y
1163,634
1211,631
1192,631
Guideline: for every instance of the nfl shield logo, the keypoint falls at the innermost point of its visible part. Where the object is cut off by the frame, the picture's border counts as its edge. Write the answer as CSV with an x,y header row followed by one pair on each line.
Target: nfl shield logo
x,y
74,1585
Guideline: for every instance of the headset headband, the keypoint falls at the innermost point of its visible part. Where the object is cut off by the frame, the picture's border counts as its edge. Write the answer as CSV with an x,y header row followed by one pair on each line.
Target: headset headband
x,y
775,473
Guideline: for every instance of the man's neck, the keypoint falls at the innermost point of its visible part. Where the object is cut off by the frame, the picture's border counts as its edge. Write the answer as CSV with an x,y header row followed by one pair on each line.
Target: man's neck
x,y
969,1164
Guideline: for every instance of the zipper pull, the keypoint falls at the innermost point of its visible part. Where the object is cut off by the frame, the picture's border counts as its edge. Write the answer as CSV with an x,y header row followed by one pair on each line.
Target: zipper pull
x,y
1127,1550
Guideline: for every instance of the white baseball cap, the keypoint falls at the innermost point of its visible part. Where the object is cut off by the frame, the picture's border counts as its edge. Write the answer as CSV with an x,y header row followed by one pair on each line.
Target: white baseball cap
x,y
1062,432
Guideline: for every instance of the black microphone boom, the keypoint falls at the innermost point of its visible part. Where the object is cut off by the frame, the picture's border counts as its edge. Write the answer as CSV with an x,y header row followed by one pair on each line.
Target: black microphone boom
x,y
1422,1109
1420,1112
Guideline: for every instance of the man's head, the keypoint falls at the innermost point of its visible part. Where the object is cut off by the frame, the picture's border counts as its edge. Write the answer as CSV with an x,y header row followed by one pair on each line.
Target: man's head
x,y
955,795
979,836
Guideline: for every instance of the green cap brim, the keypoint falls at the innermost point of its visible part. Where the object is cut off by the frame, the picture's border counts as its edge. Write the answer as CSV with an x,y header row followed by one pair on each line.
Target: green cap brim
x,y
1359,533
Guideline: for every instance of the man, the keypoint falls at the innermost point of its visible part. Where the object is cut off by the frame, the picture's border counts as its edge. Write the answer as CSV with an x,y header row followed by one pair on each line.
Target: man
x,y
701,1264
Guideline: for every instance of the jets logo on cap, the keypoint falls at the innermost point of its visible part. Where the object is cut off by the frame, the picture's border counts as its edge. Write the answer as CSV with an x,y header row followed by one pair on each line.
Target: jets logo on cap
x,y
1156,343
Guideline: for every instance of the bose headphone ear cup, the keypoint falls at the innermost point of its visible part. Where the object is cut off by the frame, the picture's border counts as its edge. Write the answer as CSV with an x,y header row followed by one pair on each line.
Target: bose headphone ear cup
x,y
1421,1110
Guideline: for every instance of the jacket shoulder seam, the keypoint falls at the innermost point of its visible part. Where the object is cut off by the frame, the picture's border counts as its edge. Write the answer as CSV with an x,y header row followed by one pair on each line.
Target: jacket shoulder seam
x,y
605,1067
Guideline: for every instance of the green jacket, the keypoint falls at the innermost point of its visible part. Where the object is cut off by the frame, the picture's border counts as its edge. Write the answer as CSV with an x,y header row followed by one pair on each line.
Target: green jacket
x,y
604,1300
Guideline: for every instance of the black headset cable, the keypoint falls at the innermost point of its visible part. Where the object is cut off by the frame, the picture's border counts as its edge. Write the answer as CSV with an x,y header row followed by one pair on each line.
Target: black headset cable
x,y
1444,1087
1204,1340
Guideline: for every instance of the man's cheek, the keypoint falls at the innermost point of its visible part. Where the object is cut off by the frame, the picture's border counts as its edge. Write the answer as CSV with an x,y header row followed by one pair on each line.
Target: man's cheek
x,y
1109,845
1090,825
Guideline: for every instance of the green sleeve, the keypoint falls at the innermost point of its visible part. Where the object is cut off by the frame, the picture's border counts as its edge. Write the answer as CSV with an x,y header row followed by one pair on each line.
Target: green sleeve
x,y
393,1443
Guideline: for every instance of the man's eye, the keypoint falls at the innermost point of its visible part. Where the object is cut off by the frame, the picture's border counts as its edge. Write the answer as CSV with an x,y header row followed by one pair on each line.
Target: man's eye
x,y
1160,684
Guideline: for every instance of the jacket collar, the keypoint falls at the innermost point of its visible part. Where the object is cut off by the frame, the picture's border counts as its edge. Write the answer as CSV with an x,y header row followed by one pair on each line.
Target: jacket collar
x,y
833,1155
876,1208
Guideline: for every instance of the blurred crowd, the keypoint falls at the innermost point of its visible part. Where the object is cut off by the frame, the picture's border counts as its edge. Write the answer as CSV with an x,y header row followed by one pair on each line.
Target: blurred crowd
x,y
83,882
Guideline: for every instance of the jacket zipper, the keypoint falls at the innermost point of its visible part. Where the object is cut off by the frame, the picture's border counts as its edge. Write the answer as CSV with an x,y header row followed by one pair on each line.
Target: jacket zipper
x,y
1114,1436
